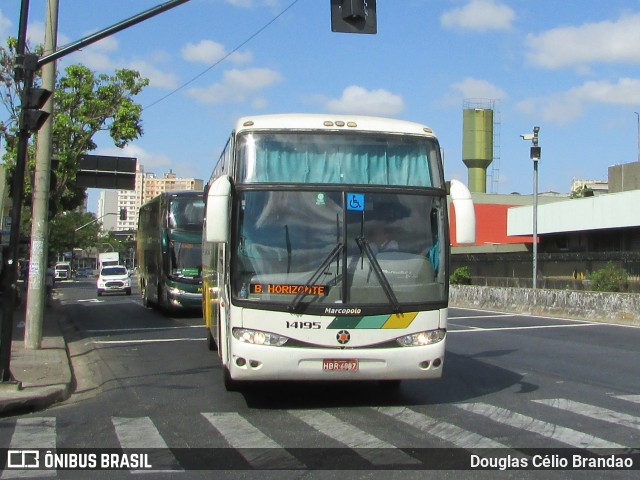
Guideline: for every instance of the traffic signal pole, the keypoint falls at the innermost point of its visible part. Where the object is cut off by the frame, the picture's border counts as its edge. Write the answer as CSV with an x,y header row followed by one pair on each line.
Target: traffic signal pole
x,y
25,72
38,260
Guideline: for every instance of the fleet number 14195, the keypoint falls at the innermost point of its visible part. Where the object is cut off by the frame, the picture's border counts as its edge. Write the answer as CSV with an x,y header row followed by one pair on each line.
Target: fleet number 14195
x,y
307,325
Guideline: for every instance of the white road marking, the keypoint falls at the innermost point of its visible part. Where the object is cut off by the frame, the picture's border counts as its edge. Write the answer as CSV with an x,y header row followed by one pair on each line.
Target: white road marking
x,y
591,411
32,433
549,430
260,451
446,431
369,447
140,433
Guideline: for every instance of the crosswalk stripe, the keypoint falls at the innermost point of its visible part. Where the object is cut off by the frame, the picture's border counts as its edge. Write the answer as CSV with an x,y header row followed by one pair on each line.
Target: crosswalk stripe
x,y
33,432
591,411
140,433
629,398
260,451
561,434
369,447
446,431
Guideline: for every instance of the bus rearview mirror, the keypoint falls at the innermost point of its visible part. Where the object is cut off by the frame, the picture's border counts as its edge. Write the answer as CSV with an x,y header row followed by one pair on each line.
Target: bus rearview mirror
x,y
465,213
217,212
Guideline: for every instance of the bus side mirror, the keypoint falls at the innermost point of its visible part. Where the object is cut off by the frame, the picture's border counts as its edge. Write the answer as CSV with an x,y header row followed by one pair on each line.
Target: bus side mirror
x,y
217,211
465,213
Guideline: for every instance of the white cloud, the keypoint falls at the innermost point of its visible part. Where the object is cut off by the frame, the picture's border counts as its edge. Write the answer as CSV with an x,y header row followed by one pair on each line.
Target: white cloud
x,y
480,15
357,99
606,42
210,52
99,57
237,85
5,26
35,33
479,89
157,78
564,107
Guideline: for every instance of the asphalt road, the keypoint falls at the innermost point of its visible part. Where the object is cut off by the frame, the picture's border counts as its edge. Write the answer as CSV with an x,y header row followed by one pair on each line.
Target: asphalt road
x,y
511,383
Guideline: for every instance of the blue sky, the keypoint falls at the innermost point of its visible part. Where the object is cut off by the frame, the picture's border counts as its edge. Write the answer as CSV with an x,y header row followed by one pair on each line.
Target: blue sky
x,y
570,67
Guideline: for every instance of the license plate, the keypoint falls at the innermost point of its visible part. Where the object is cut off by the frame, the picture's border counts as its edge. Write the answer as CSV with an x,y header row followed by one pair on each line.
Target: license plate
x,y
340,365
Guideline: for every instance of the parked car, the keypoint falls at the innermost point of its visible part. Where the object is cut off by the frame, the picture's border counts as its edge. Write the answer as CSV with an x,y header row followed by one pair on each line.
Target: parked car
x,y
115,278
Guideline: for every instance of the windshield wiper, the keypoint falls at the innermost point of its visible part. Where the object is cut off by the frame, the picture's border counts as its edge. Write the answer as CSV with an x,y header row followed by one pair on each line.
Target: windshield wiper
x,y
386,286
295,303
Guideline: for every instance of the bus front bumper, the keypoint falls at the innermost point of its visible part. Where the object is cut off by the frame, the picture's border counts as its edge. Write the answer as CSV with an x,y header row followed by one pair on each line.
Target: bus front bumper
x,y
257,362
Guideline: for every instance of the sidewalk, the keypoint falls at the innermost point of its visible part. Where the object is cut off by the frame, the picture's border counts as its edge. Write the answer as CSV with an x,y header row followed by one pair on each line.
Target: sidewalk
x,y
43,376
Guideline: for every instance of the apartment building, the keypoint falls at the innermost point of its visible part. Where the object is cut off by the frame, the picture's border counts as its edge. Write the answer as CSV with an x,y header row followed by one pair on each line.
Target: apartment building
x,y
147,186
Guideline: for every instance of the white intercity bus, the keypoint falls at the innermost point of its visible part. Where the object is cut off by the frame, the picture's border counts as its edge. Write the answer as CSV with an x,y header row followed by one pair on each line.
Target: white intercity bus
x,y
325,250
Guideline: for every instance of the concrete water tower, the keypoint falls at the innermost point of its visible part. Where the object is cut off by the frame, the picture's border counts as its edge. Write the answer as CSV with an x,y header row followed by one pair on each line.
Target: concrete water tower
x,y
477,142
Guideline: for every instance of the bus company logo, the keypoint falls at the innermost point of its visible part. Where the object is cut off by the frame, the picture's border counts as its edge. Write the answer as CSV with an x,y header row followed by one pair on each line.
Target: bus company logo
x,y
23,459
343,337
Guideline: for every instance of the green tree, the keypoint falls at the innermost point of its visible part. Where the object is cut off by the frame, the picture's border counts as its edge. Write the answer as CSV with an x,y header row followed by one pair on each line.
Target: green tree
x,y
85,103
64,234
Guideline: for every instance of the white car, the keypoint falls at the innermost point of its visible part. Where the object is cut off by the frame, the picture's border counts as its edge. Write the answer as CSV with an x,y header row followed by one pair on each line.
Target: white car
x,y
114,278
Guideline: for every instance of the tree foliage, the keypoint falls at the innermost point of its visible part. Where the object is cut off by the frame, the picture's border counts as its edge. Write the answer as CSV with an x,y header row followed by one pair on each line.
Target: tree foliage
x,y
64,236
461,276
609,279
85,103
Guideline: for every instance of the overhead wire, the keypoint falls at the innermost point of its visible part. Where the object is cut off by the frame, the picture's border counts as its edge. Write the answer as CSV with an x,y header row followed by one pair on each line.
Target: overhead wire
x,y
227,55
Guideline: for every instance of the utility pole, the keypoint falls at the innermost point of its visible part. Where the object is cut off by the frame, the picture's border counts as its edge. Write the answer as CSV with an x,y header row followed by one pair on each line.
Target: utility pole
x,y
41,193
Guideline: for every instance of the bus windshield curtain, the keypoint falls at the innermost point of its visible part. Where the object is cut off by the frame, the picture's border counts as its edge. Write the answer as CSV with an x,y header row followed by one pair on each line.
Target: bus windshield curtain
x,y
402,165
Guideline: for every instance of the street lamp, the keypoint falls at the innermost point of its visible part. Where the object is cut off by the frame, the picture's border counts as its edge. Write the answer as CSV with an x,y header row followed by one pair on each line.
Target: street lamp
x,y
535,156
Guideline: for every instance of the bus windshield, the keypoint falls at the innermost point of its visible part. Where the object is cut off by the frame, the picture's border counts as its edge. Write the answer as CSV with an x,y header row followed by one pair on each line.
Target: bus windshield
x,y
185,260
186,214
338,158
338,248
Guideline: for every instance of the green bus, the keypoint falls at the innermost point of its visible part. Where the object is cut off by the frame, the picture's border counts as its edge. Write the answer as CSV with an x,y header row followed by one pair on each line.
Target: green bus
x,y
169,250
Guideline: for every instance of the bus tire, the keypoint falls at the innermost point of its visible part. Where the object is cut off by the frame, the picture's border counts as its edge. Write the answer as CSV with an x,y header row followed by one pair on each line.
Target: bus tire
x,y
211,343
230,384
145,296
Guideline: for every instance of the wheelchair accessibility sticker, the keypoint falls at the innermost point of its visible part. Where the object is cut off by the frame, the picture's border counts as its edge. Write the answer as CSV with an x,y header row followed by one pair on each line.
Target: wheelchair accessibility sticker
x,y
355,202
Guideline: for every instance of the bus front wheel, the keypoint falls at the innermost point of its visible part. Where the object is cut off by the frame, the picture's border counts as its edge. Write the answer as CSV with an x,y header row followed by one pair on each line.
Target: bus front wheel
x,y
211,343
230,384
145,296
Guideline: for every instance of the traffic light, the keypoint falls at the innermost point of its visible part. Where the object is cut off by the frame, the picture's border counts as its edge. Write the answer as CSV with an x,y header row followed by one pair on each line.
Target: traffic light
x,y
353,16
33,99
31,117
123,214
536,151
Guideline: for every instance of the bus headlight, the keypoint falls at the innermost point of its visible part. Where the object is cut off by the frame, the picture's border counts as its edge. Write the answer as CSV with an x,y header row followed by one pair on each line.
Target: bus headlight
x,y
258,337
422,338
174,292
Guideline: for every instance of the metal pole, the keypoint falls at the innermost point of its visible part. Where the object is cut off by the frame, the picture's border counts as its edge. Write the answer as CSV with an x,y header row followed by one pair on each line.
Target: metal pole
x,y
535,223
17,191
75,46
40,226
638,117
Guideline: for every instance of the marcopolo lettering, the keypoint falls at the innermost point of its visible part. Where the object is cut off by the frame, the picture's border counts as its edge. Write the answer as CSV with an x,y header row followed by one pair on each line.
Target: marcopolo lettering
x,y
342,311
